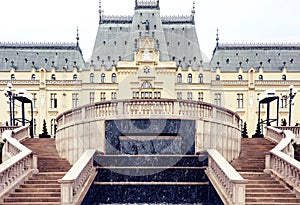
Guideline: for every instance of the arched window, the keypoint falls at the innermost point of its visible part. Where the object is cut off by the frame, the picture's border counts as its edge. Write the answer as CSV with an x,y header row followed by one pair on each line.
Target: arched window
x,y
53,77
283,77
260,77
200,78
12,77
146,85
179,78
190,78
33,77
92,78
218,77
113,78
102,78
74,77
240,77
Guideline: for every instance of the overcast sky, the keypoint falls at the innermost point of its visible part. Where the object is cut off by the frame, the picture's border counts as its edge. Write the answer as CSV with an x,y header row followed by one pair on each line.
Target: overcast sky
x,y
259,21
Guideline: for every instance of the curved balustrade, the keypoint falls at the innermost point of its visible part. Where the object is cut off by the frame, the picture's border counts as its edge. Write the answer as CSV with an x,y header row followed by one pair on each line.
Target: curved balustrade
x,y
229,184
294,129
280,160
22,161
83,128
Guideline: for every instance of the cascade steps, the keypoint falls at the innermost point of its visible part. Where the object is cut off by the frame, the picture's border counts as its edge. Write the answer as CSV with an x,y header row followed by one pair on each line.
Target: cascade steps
x,y
262,188
42,188
150,179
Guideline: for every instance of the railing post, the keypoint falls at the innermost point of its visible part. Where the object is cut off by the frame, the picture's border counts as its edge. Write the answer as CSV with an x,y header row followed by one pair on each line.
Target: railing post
x,y
239,193
66,192
34,161
267,163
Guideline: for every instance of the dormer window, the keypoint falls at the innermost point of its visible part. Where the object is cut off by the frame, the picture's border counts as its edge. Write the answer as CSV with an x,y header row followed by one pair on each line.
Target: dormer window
x,y
240,77
218,78
283,77
33,77
179,78
12,77
260,77
53,77
190,78
74,77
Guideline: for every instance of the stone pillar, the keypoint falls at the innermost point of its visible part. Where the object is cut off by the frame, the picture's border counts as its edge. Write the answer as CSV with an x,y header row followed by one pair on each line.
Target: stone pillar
x,y
66,192
199,136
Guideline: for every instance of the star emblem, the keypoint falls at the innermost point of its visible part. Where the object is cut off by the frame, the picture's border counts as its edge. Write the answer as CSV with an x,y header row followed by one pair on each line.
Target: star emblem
x,y
147,70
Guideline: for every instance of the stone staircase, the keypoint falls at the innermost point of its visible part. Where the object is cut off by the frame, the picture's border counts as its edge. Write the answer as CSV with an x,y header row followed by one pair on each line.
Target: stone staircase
x,y
262,188
42,188
151,179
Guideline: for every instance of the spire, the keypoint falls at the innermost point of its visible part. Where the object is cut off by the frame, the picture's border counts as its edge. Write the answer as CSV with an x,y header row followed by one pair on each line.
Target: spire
x,y
77,38
100,11
217,39
193,12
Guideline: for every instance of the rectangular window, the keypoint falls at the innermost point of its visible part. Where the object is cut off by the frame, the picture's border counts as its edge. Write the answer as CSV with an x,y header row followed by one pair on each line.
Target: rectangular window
x,y
135,95
102,96
200,96
34,100
240,100
113,95
190,96
283,101
75,100
53,100
92,97
218,99
179,95
262,105
157,95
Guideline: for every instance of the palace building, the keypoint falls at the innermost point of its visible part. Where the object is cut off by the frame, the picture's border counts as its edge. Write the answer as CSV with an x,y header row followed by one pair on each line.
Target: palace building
x,y
148,56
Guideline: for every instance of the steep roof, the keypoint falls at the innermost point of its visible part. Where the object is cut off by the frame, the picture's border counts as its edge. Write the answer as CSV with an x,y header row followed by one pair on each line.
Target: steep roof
x,y
271,57
25,56
176,36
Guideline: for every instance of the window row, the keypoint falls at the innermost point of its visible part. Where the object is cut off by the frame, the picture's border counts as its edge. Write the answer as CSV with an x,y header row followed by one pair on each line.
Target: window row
x,y
189,96
75,77
260,77
146,95
189,78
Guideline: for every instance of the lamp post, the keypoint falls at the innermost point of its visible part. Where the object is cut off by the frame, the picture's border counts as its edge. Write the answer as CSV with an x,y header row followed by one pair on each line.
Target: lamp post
x,y
292,94
8,93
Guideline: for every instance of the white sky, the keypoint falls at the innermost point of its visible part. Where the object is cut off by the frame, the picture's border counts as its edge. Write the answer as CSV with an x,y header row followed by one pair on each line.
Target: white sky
x,y
260,21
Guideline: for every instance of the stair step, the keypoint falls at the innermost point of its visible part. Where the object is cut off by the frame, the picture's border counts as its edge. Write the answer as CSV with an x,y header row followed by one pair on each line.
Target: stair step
x,y
32,199
40,190
34,194
273,199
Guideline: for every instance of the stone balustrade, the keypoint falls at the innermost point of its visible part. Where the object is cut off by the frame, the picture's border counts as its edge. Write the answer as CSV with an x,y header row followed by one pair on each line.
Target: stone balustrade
x,y
3,128
19,162
280,161
83,128
75,184
229,184
294,129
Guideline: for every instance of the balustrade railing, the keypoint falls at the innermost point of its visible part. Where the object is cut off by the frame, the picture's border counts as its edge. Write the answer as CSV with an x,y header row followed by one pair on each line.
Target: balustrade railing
x,y
280,160
74,184
294,129
21,162
230,185
3,128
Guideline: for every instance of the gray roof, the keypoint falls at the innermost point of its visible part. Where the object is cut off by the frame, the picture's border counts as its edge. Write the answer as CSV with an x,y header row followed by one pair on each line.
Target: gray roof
x,y
117,36
25,56
271,57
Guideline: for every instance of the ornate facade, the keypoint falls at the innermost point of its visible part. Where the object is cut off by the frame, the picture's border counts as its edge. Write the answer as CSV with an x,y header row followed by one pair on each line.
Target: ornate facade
x,y
148,56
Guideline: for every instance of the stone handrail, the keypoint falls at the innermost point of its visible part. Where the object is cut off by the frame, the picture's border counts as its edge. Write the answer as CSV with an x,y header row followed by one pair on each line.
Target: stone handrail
x,y
280,161
76,182
229,184
141,107
3,128
22,161
294,129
